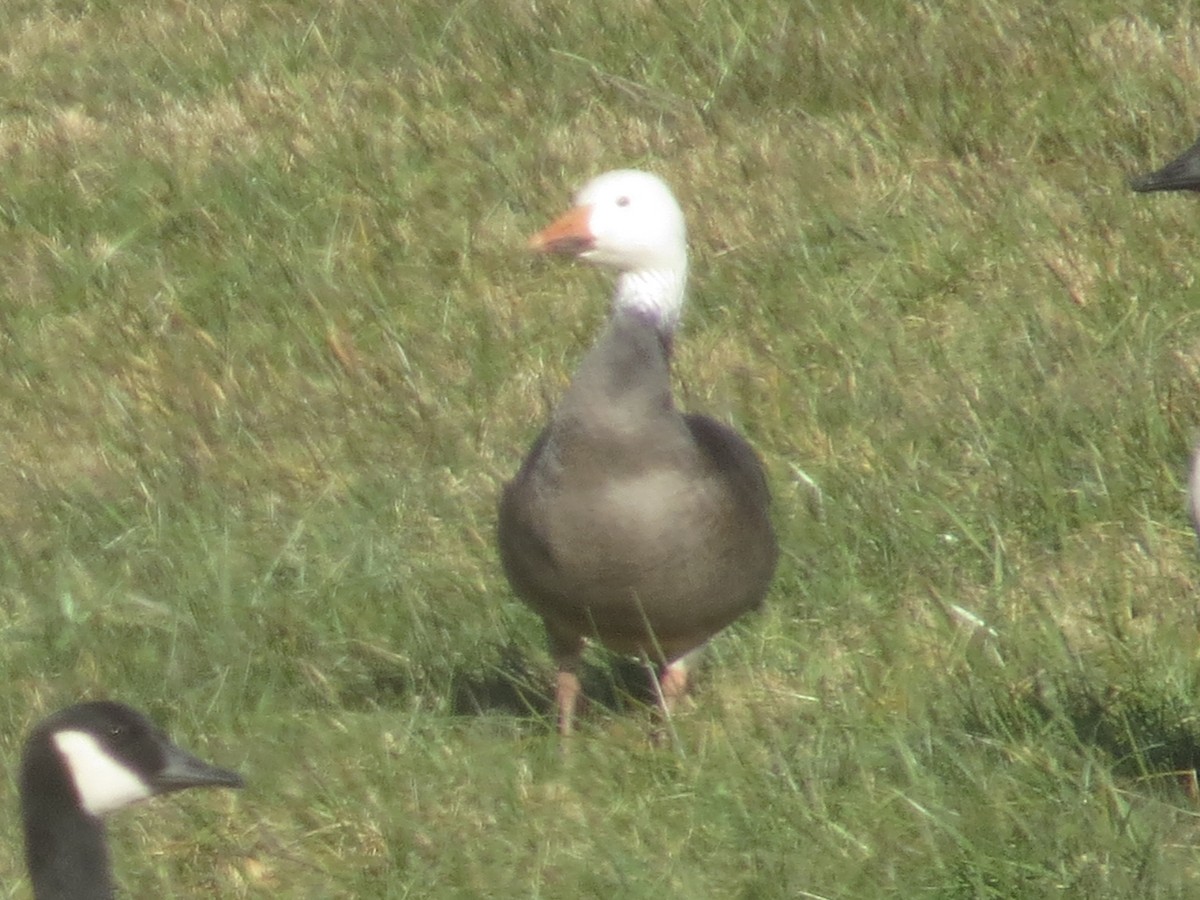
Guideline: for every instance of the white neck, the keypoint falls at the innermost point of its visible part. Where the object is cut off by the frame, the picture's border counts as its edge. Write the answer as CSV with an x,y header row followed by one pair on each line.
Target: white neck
x,y
656,293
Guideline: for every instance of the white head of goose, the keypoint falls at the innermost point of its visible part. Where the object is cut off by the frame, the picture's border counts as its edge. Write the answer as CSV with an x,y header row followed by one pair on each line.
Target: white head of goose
x,y
630,522
81,763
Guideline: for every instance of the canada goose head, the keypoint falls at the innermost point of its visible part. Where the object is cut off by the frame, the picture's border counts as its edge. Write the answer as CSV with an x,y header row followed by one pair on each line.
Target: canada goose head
x,y
81,763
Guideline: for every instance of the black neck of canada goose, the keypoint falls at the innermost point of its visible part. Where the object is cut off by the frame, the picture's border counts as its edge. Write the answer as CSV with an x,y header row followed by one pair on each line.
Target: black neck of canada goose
x,y
1180,174
81,763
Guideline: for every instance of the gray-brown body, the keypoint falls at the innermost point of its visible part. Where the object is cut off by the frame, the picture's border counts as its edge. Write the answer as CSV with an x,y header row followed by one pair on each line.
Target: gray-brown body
x,y
630,522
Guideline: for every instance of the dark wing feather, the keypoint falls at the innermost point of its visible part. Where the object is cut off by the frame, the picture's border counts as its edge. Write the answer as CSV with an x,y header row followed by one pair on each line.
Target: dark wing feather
x,y
733,456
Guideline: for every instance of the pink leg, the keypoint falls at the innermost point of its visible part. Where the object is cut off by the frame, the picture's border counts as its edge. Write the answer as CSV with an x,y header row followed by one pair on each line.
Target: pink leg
x,y
566,695
672,684
673,680
567,651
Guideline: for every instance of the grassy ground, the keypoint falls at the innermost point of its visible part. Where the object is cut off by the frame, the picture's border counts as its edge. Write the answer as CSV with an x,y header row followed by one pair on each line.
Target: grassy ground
x,y
270,344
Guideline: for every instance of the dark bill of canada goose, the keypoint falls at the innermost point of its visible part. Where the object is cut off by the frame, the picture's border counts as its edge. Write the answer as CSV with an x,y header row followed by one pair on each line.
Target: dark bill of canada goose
x,y
630,522
1180,174
81,763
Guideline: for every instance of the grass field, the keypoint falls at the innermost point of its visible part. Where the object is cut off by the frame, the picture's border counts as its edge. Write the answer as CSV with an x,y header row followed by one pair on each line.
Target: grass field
x,y
270,343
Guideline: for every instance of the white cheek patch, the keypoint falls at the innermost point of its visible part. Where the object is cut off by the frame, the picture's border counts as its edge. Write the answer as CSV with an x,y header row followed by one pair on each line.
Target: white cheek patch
x,y
103,784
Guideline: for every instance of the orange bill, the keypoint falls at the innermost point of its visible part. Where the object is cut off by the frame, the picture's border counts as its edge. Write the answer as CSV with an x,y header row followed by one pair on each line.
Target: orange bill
x,y
568,234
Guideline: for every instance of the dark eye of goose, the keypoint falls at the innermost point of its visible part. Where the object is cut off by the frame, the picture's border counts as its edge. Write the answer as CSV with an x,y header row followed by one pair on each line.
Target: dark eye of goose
x,y
622,201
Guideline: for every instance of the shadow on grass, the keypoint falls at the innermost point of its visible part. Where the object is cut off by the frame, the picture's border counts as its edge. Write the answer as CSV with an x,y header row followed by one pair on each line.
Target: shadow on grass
x,y
511,686
504,681
1145,728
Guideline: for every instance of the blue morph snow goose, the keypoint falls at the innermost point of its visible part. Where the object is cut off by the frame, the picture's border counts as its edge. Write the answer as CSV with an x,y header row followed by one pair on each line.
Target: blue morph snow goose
x,y
630,522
